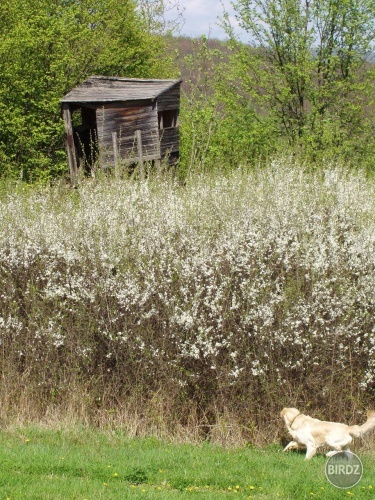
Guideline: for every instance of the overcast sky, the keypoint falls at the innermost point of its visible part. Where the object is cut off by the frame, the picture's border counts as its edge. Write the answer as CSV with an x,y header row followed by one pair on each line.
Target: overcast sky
x,y
201,17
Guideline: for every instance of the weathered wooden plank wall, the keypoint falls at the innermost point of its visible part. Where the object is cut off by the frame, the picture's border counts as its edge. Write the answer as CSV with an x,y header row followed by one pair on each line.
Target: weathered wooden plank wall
x,y
170,99
169,140
125,121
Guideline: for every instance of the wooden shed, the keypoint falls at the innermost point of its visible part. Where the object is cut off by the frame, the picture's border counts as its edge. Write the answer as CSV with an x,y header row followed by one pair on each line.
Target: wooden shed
x,y
114,119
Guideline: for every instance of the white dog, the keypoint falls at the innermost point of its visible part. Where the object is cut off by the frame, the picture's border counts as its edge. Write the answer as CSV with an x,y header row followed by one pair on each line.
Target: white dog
x,y
311,433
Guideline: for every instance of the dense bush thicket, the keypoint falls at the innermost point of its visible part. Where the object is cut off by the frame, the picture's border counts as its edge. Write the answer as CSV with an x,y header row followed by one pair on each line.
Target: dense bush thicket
x,y
201,307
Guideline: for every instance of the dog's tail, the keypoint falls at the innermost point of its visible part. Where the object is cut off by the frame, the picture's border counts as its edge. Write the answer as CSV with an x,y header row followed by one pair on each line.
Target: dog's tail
x,y
360,430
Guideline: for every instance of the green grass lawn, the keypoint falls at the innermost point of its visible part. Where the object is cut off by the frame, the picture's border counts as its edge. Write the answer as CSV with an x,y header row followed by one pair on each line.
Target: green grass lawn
x,y
88,464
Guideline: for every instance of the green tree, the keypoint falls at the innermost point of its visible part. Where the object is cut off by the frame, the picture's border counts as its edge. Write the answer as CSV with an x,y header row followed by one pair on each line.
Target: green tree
x,y
46,48
220,127
307,67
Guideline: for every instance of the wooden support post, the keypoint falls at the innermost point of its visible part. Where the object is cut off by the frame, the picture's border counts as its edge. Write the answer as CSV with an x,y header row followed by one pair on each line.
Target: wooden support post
x,y
115,148
140,154
70,148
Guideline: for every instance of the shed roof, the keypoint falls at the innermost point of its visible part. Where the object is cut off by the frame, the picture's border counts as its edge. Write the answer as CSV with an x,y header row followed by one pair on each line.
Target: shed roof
x,y
108,89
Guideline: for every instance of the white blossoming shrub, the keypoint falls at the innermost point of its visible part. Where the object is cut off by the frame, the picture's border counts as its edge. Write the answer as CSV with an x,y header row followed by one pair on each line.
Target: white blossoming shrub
x,y
242,293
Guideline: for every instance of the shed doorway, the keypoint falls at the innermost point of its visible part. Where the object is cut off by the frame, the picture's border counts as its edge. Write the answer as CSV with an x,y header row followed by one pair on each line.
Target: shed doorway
x,y
85,133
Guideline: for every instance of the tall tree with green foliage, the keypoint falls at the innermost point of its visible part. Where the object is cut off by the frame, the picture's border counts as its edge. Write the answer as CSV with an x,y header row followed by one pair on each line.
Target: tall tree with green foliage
x,y
220,127
46,48
308,67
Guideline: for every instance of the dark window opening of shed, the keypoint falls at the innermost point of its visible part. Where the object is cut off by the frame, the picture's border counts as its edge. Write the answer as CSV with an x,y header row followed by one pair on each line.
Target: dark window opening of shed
x,y
168,119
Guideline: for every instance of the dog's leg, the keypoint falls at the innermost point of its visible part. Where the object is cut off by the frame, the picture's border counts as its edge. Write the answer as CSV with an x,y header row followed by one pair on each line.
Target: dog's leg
x,y
292,445
310,452
339,445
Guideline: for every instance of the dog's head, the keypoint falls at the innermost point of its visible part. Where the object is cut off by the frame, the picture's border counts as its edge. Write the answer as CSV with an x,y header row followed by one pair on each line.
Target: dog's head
x,y
289,414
